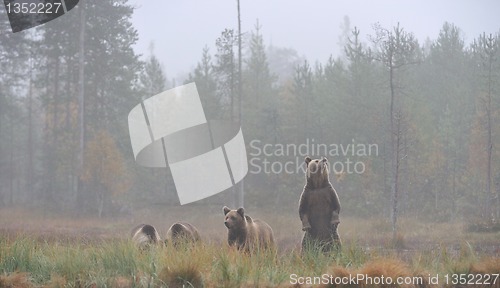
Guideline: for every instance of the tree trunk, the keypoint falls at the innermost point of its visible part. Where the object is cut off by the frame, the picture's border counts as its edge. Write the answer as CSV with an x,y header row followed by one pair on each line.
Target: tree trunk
x,y
489,144
397,162
12,164
100,199
1,149
395,152
29,176
240,94
81,109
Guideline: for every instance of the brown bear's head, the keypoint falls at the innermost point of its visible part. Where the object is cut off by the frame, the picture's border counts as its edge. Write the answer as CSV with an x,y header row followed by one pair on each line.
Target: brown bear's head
x,y
234,218
317,172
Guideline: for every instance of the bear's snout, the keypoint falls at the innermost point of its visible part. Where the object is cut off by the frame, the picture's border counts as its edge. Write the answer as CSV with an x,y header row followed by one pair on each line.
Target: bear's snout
x,y
226,223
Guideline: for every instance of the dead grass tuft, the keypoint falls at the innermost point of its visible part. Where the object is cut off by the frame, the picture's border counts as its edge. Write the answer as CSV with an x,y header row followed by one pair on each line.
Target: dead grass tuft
x,y
182,276
424,276
15,280
121,282
340,272
385,267
486,266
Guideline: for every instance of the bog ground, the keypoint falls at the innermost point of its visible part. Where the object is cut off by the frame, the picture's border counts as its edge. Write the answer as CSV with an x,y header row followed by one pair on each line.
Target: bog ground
x,y
41,249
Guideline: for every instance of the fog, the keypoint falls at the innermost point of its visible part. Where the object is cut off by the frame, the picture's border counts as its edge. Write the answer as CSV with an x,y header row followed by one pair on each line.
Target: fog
x,y
179,30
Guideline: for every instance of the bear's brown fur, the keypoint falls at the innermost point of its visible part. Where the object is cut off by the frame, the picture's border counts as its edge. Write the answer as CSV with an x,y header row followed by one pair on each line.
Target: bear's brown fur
x,y
182,232
319,207
245,232
145,235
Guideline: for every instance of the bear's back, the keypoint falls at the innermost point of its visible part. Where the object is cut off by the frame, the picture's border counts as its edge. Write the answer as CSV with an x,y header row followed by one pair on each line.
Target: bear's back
x,y
183,231
263,233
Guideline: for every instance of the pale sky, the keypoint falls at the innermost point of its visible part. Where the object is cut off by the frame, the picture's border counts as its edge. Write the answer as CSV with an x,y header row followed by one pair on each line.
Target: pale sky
x,y
180,29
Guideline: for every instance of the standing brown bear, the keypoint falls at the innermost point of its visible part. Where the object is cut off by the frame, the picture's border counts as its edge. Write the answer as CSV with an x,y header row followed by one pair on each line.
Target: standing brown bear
x,y
319,207
245,232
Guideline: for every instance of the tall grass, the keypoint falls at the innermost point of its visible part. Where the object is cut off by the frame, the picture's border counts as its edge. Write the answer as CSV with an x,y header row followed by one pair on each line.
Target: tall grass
x,y
27,262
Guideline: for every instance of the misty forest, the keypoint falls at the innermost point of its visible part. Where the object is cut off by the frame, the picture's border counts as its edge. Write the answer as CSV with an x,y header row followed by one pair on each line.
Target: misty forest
x,y
430,109
410,130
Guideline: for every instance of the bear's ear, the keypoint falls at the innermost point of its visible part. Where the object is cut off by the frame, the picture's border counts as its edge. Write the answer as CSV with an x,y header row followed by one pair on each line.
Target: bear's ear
x,y
307,160
241,211
226,210
324,160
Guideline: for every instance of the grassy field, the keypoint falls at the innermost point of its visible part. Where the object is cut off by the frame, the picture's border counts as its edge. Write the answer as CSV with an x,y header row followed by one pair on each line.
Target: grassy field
x,y
42,250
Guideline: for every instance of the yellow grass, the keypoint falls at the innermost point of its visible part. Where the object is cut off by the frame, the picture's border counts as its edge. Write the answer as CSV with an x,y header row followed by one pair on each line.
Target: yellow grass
x,y
41,250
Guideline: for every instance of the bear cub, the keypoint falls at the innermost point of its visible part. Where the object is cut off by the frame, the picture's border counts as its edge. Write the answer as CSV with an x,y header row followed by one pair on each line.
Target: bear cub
x,y
182,232
245,232
319,207
144,235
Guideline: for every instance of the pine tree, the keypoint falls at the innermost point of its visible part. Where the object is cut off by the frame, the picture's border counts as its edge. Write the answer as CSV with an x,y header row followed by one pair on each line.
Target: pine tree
x,y
260,103
110,66
205,78
486,50
152,80
396,49
14,57
446,69
226,70
303,90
